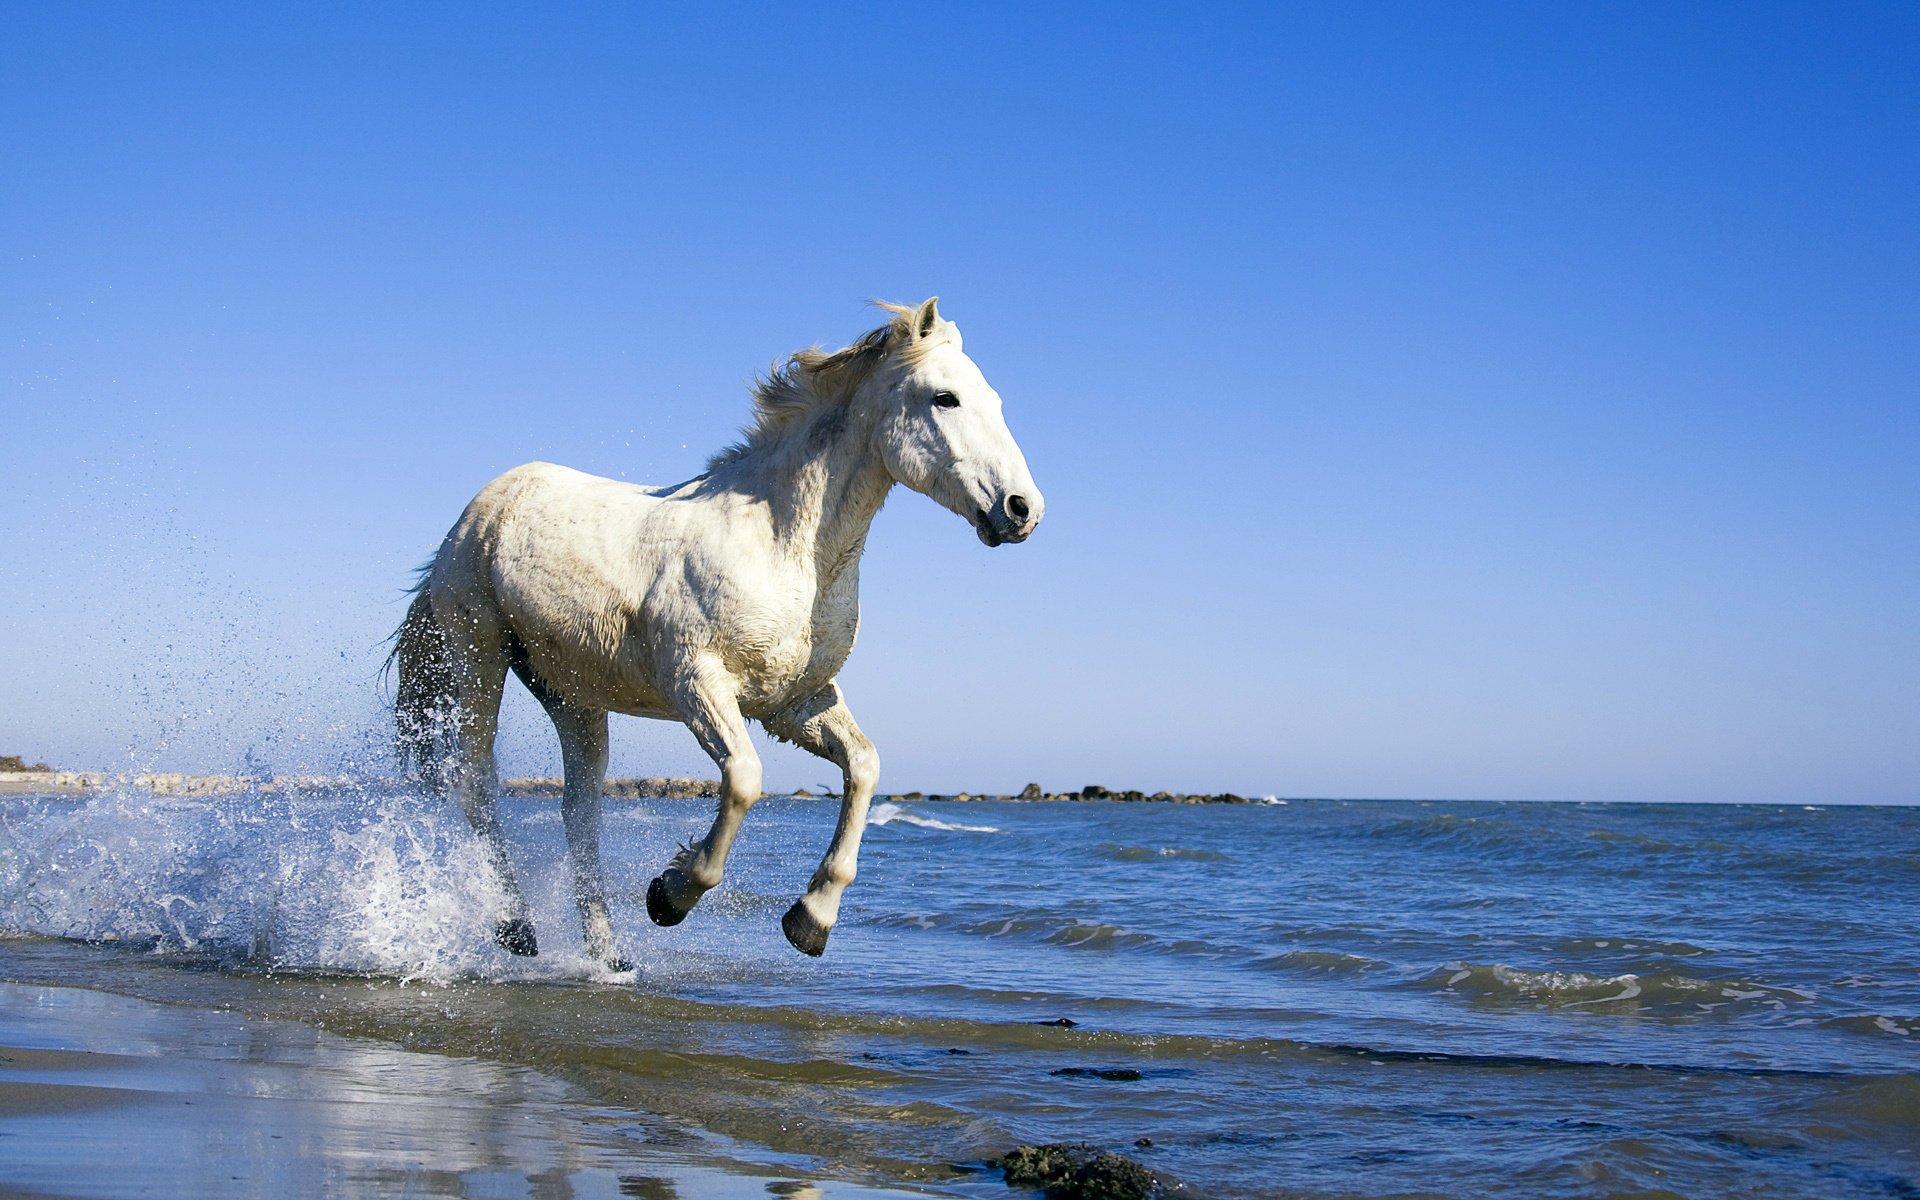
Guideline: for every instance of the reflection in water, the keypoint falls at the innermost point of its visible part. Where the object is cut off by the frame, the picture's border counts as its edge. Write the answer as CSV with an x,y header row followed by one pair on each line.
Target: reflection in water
x,y
213,1104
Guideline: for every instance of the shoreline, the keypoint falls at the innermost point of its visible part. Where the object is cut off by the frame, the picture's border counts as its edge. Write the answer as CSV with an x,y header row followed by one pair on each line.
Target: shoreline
x,y
106,1094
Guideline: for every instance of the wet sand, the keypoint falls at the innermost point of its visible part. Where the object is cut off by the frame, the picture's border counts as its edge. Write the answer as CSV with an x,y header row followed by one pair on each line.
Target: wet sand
x,y
107,1096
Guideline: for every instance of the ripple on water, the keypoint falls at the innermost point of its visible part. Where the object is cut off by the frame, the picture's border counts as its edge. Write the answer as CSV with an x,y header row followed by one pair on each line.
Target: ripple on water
x,y
1670,994
1120,853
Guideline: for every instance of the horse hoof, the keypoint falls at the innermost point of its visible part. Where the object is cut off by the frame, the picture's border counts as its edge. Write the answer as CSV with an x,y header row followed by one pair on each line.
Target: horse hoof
x,y
807,935
618,965
660,905
516,937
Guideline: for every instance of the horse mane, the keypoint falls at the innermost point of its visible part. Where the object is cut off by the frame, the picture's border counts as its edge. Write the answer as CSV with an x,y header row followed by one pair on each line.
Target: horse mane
x,y
813,379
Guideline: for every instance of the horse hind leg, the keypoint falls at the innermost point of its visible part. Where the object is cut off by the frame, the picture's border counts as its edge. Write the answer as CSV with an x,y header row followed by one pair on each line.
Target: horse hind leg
x,y
583,757
470,673
823,726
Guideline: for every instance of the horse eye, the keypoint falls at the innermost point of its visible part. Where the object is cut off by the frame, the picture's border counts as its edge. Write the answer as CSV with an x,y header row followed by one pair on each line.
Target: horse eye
x,y
945,400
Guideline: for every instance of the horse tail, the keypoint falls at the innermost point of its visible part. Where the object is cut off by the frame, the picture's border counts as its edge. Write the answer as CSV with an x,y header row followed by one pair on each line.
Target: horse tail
x,y
425,694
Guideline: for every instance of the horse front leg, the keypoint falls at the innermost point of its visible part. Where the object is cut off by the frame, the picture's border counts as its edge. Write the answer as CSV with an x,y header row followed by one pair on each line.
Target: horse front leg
x,y
823,726
707,700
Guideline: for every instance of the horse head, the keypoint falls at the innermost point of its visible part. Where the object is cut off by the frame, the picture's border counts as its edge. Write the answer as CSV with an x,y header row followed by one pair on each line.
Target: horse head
x,y
941,431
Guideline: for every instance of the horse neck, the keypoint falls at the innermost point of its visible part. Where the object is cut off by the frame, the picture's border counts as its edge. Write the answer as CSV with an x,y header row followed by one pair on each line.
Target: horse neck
x,y
824,483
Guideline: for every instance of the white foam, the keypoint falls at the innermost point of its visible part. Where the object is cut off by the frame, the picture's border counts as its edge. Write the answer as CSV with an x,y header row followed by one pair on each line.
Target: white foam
x,y
886,813
382,884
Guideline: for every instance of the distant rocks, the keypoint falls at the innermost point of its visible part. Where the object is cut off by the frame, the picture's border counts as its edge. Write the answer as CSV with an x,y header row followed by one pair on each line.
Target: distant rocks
x,y
647,787
1093,791
160,783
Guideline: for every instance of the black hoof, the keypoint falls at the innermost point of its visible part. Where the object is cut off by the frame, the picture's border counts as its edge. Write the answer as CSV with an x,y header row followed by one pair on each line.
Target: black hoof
x,y
660,905
618,965
807,935
516,937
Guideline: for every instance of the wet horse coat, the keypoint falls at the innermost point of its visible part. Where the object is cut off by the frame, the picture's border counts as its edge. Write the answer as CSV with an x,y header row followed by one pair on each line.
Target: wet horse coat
x,y
730,597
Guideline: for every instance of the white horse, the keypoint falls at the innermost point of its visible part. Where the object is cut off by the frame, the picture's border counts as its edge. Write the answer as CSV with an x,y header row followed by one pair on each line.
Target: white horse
x,y
731,596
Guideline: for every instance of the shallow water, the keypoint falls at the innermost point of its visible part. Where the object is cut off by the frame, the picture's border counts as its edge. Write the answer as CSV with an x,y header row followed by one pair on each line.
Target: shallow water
x,y
1318,998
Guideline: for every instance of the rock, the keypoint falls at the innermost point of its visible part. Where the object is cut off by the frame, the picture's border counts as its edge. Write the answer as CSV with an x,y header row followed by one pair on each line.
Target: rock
x,y
909,796
802,794
1131,797
1078,1171
1108,1177
1116,1074
1045,1164
1062,1022
1031,792
1094,791
1230,798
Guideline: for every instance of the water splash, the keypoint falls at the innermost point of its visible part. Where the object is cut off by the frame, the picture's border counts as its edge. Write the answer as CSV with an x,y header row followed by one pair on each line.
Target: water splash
x,y
367,880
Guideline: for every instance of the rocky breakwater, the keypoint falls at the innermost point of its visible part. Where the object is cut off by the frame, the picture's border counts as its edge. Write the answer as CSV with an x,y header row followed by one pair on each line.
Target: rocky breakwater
x,y
1033,791
647,787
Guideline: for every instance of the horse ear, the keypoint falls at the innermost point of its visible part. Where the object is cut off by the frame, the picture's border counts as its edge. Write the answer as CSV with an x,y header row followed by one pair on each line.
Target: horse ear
x,y
926,318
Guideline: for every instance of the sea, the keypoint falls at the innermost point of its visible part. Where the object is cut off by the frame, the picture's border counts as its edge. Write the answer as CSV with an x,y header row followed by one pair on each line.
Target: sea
x,y
1297,998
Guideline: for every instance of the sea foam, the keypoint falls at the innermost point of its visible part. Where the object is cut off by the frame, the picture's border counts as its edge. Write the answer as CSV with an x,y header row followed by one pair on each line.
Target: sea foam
x,y
373,882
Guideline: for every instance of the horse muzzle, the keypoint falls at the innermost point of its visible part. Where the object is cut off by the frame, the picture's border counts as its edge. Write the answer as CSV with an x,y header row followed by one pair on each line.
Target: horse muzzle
x,y
1010,521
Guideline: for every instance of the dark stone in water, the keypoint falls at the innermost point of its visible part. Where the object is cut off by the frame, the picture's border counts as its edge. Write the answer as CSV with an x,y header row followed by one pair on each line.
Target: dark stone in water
x,y
1062,1022
1117,1074
1078,1171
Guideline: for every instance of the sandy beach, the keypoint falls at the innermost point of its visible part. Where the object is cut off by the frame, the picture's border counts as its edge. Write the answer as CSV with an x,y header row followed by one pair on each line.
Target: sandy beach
x,y
104,1095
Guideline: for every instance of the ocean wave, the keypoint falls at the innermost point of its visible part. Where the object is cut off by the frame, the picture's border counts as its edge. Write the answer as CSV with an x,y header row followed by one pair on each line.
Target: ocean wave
x,y
887,812
1050,928
1498,833
1120,853
1320,962
1650,949
1877,1025
1666,993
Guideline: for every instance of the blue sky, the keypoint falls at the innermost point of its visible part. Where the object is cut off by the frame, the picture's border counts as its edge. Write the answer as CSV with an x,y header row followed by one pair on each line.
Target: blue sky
x,y
1431,400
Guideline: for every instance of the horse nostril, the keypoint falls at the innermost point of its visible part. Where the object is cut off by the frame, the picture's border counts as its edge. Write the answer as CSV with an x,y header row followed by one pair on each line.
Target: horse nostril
x,y
1017,507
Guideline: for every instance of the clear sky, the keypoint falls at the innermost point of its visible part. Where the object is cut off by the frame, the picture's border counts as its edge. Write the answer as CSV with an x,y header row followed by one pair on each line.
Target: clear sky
x,y
1431,400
